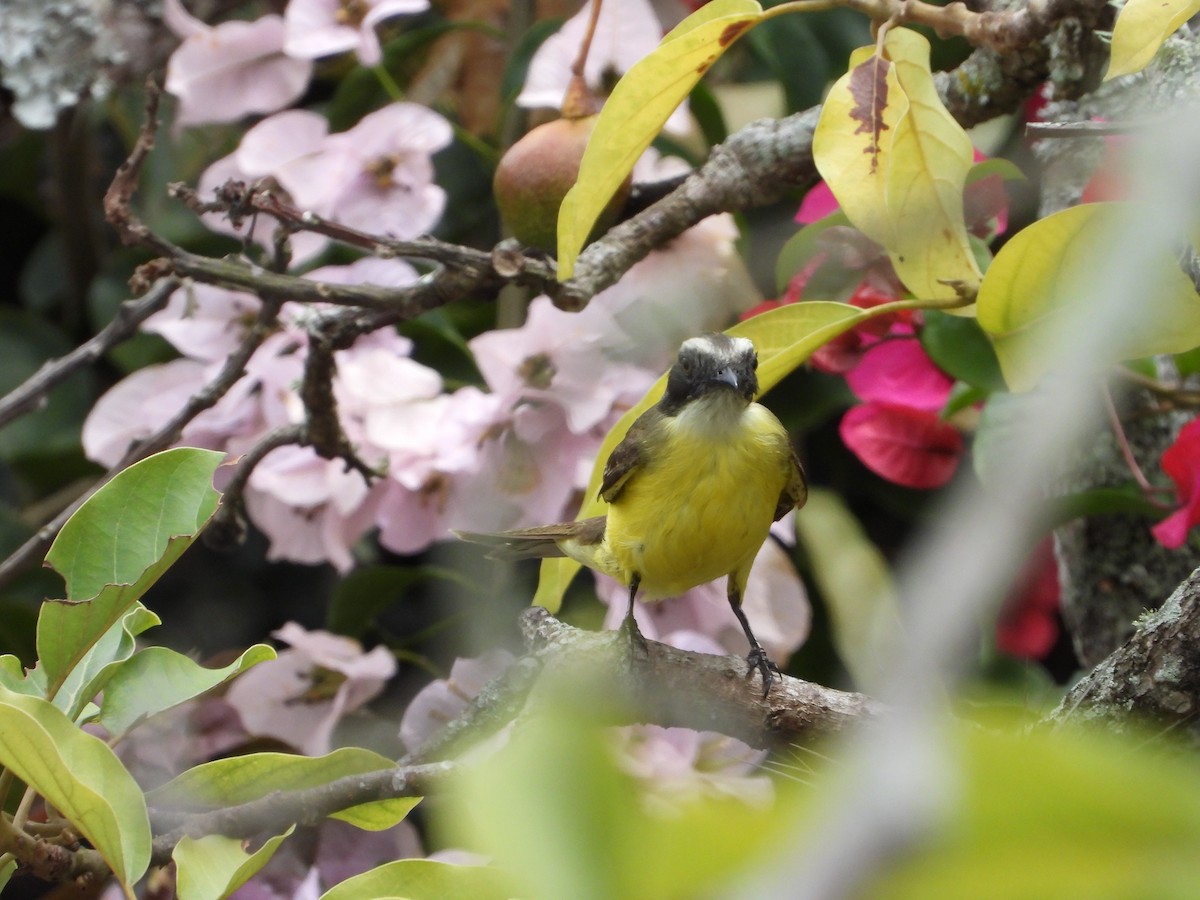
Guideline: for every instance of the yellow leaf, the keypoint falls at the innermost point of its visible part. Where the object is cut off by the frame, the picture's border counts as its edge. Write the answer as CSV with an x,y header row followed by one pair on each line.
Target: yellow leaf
x,y
785,338
897,162
852,144
633,115
1036,279
1141,28
931,156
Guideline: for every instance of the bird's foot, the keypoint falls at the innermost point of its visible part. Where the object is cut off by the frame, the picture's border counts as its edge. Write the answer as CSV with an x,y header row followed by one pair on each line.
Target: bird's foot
x,y
638,651
757,659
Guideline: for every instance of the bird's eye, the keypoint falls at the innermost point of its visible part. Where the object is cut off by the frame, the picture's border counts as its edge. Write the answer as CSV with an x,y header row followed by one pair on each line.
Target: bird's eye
x,y
754,362
685,364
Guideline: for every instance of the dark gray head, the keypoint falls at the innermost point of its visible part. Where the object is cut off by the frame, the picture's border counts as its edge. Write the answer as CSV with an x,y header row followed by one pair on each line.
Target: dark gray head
x,y
711,362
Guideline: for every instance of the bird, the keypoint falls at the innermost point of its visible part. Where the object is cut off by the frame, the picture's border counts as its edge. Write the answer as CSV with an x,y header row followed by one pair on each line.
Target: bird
x,y
691,490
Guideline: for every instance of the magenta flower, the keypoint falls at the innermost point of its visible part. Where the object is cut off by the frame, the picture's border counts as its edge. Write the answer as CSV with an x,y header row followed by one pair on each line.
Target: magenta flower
x,y
898,370
1181,461
317,28
908,446
225,72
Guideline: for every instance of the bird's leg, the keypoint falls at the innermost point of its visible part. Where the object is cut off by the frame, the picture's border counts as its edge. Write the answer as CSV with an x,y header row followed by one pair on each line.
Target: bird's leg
x,y
629,626
757,657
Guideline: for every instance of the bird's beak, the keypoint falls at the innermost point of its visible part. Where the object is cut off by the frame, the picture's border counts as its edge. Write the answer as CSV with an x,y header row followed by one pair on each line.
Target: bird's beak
x,y
729,377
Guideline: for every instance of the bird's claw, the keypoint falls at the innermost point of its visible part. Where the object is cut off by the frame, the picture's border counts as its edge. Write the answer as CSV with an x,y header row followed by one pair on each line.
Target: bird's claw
x,y
757,659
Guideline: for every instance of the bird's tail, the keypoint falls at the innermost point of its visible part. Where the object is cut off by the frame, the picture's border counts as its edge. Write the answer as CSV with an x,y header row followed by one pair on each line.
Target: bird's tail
x,y
539,542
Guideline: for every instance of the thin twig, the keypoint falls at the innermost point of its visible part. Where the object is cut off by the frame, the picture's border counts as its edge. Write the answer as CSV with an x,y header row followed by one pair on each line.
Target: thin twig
x,y
166,435
33,391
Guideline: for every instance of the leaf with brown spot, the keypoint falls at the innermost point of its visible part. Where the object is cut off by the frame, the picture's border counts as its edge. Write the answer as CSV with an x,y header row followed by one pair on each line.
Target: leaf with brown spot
x,y
868,86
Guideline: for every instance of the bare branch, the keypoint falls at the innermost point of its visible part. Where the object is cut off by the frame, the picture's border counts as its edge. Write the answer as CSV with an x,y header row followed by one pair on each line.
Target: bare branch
x,y
277,811
233,369
32,392
1153,677
679,688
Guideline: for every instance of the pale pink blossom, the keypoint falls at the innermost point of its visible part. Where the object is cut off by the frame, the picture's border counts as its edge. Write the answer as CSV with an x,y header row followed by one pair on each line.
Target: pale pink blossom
x,y
263,151
300,696
204,322
677,766
443,700
225,72
624,34
561,358
317,28
137,406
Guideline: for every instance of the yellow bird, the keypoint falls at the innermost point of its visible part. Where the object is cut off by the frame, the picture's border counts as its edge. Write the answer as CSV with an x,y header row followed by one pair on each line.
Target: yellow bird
x,y
692,490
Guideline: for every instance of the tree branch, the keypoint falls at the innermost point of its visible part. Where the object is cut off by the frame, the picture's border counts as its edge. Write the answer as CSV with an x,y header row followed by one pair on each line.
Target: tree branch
x,y
679,688
32,393
1154,676
275,812
233,370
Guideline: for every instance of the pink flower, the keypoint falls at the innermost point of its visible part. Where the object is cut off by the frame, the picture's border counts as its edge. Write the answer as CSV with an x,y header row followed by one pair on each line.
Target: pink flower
x,y
559,357
1181,461
318,28
223,73
677,766
263,152
135,407
300,696
911,447
818,203
312,510
204,322
899,371
378,176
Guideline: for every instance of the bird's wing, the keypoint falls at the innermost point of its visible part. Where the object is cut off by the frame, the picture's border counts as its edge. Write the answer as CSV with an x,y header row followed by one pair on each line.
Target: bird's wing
x,y
539,542
628,456
795,492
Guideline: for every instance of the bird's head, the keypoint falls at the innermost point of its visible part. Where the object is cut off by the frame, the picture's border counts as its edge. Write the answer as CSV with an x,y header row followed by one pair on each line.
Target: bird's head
x,y
712,364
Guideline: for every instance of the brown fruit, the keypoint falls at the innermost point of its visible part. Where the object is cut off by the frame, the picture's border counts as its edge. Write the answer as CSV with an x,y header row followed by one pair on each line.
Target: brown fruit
x,y
535,174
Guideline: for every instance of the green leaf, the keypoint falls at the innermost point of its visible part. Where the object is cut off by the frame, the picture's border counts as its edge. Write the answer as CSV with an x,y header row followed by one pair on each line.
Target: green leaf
x,y
960,348
132,523
1034,283
7,869
156,678
1127,500
635,112
80,777
116,546
1066,813
962,396
855,583
1141,28
214,866
785,338
88,676
229,782
897,162
423,879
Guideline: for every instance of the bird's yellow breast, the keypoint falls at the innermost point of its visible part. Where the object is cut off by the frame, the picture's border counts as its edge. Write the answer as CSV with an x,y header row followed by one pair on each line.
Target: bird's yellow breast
x,y
703,502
